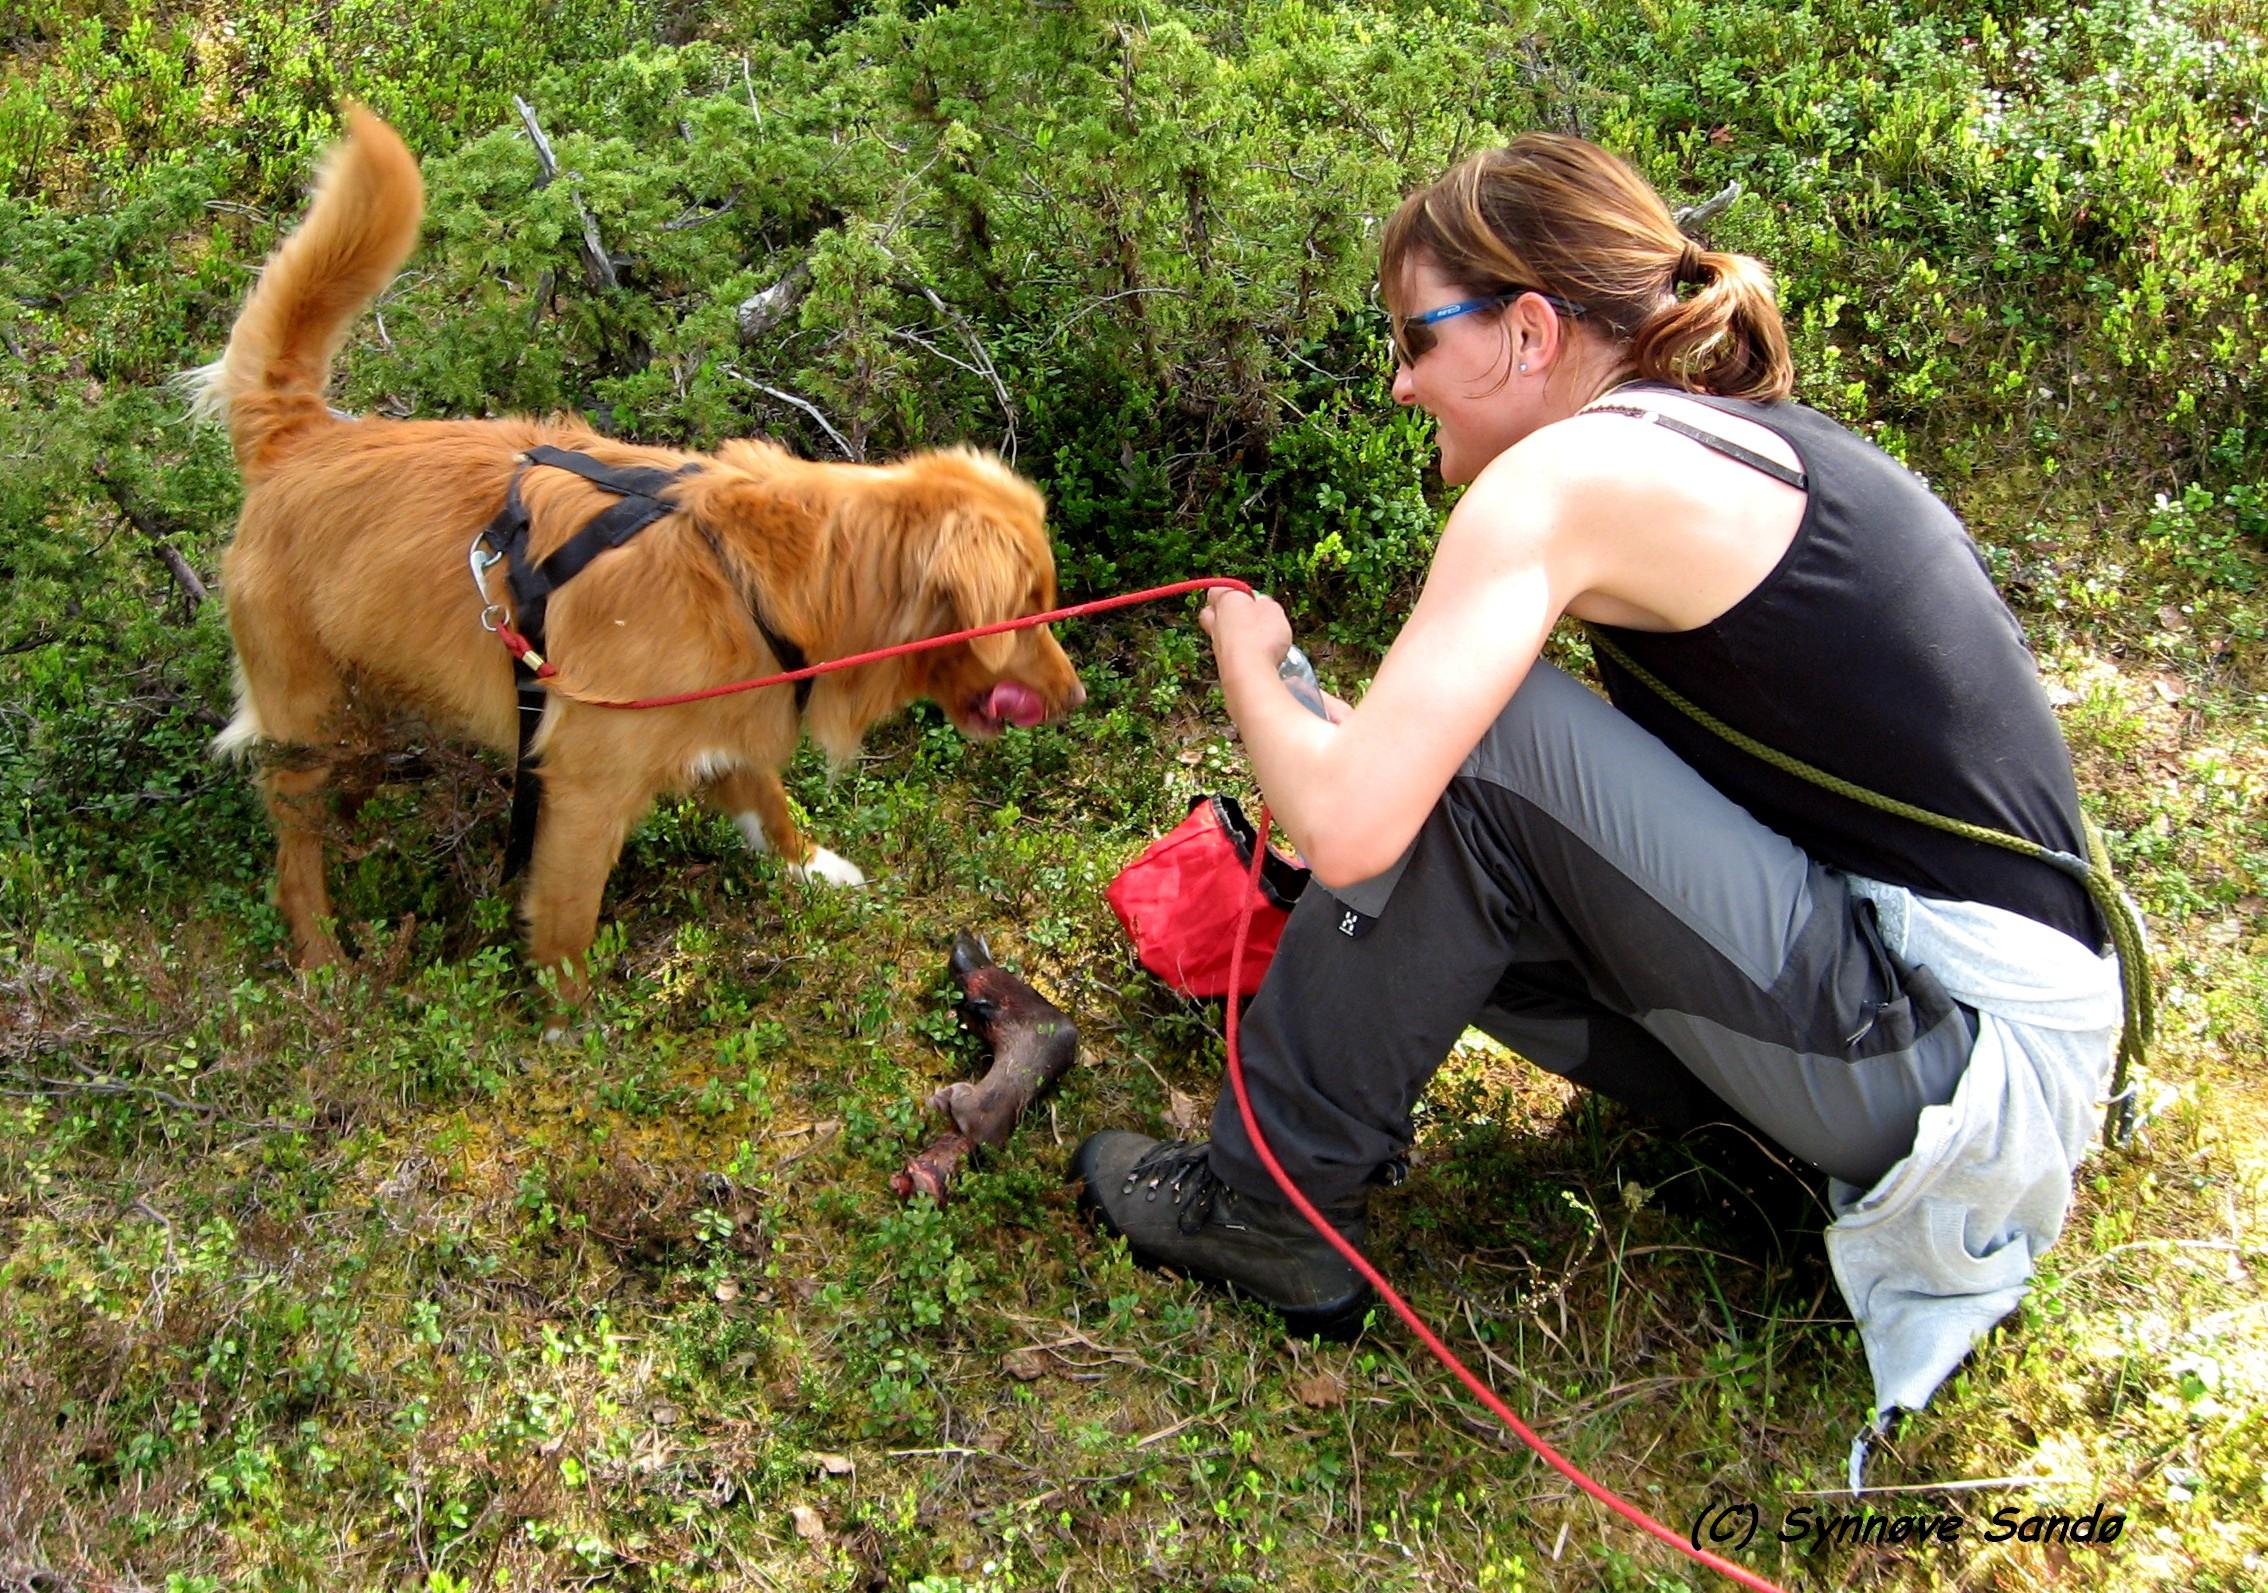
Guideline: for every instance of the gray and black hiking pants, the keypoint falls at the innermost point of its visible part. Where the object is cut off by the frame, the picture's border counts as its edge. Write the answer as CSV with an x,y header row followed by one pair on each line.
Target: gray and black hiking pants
x,y
1584,896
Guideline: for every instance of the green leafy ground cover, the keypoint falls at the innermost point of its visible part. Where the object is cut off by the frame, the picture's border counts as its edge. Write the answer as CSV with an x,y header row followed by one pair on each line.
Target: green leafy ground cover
x,y
350,1281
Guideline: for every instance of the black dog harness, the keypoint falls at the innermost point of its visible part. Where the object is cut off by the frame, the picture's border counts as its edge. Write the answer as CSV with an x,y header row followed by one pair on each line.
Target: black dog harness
x,y
505,540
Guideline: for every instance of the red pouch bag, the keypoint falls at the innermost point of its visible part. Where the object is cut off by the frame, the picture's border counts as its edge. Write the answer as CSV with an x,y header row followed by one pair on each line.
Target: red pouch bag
x,y
1181,898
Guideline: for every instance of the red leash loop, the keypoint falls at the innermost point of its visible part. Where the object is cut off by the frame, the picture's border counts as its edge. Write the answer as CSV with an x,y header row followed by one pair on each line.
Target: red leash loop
x,y
524,650
1441,1352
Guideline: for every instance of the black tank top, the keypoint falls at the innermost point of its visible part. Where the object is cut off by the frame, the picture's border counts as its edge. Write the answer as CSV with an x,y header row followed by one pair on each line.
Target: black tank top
x,y
1878,651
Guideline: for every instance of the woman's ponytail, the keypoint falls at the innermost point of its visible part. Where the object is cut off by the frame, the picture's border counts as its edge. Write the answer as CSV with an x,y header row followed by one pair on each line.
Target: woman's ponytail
x,y
1721,334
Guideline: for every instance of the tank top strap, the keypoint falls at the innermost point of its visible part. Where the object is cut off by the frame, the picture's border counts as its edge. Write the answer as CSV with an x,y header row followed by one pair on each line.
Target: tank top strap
x,y
1710,440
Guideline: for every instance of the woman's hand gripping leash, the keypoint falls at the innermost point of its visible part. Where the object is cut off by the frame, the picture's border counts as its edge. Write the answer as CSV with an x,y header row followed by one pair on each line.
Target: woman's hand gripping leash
x,y
1257,620
1238,618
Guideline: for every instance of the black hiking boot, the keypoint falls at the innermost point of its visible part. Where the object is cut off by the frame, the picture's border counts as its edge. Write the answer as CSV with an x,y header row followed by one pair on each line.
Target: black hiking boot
x,y
1161,1197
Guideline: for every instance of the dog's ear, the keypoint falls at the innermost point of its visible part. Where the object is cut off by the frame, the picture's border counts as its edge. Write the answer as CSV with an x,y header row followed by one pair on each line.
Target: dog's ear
x,y
981,573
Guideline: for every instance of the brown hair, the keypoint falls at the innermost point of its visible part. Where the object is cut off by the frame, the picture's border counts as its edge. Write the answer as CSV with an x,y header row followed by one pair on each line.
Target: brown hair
x,y
1563,216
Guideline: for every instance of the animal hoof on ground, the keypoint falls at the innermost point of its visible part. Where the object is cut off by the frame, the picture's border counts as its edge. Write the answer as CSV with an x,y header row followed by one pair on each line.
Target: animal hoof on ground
x,y
1008,1015
969,954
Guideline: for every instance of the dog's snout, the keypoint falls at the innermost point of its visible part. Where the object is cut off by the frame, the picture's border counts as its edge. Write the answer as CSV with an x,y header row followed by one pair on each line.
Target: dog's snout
x,y
1077,698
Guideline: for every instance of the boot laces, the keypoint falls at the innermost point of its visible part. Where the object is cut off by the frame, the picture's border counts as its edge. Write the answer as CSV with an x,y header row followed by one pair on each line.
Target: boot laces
x,y
1184,1173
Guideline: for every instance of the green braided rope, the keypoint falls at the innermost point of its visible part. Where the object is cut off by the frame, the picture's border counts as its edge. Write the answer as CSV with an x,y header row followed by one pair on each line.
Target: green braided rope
x,y
2093,874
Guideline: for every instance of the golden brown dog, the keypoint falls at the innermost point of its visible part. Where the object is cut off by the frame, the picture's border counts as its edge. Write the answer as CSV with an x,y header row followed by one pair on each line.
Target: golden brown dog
x,y
348,586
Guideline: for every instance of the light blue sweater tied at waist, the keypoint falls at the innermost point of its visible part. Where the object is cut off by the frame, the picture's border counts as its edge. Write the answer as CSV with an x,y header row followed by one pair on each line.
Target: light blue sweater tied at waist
x,y
1943,1245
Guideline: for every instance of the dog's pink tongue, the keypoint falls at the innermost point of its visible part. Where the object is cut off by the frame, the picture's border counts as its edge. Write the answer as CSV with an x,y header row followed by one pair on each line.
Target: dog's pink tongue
x,y
1012,702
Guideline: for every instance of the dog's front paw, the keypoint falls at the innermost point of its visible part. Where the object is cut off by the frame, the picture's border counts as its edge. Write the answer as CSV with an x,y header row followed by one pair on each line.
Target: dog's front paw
x,y
823,864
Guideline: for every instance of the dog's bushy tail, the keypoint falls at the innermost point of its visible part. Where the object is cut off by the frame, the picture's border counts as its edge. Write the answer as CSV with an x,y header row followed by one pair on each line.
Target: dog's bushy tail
x,y
269,385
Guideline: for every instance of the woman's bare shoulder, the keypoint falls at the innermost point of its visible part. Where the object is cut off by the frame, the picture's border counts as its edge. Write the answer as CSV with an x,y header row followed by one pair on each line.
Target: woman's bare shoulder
x,y
1639,524
1577,477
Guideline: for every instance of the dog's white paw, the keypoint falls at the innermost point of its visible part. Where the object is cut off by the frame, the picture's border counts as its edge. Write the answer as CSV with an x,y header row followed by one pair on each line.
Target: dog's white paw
x,y
821,865
826,865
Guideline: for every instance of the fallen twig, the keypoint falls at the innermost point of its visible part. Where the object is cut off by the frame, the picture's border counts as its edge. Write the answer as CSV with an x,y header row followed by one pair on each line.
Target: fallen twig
x,y
146,523
984,366
544,156
789,398
597,264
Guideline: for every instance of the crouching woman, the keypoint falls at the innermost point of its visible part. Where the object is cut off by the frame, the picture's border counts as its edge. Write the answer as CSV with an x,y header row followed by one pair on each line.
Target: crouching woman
x,y
1613,888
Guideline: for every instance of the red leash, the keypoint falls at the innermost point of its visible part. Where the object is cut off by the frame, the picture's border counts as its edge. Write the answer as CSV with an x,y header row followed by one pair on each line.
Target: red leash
x,y
547,672
1300,1202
